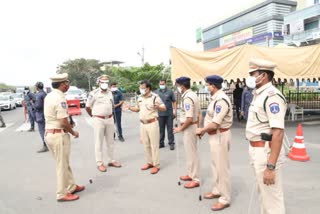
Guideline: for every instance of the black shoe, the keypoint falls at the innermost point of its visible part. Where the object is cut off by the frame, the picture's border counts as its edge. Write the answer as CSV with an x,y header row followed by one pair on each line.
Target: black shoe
x,y
44,149
161,146
31,130
171,146
121,138
3,125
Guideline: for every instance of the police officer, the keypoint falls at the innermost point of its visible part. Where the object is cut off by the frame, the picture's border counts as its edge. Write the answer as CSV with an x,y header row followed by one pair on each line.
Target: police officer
x,y
189,120
246,101
166,117
117,111
58,139
30,100
217,124
148,105
265,130
100,106
39,115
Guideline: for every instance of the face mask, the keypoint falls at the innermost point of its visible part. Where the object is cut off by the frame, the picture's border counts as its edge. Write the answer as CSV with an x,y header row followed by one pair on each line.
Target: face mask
x,y
114,89
162,87
251,82
206,90
104,86
179,89
142,91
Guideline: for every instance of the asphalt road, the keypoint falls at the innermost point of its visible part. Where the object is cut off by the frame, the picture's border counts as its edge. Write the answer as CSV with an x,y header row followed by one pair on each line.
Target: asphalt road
x,y
28,180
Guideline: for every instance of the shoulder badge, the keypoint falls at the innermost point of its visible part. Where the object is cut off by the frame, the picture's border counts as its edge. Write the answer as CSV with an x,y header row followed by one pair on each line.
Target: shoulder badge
x,y
187,106
274,108
218,109
64,105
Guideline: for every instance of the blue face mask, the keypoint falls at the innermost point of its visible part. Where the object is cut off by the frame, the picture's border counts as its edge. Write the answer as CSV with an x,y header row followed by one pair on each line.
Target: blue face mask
x,y
162,87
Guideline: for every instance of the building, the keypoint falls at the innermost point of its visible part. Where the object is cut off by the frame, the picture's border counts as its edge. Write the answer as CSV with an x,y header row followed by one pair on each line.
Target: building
x,y
302,27
260,25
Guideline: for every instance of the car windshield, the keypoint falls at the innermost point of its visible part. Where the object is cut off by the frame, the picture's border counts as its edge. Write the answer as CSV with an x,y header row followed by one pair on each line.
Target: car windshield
x,y
74,92
4,98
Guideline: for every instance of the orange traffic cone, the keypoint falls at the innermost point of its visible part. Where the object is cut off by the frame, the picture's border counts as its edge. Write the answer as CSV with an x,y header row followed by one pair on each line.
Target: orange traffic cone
x,y
298,151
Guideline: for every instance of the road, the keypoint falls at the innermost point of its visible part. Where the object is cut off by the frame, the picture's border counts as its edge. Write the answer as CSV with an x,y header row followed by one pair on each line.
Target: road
x,y
28,180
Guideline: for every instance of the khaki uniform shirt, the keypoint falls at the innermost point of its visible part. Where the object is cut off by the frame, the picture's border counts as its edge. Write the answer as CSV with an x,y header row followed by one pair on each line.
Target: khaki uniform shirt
x,y
146,106
190,106
55,108
219,111
260,120
100,102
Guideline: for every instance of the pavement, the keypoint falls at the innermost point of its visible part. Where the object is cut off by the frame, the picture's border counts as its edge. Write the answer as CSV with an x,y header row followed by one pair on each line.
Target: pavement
x,y
28,180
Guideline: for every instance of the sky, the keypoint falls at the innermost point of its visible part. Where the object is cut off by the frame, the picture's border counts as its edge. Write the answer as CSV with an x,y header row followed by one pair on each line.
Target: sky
x,y
38,35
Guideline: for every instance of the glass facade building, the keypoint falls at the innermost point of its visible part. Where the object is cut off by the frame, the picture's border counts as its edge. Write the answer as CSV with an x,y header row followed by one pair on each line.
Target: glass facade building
x,y
259,25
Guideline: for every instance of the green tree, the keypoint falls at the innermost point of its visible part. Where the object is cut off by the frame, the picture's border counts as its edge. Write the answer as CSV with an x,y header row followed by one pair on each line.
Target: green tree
x,y
83,73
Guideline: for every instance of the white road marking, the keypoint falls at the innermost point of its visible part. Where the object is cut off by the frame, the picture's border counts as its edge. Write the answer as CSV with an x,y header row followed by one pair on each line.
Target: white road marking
x,y
24,127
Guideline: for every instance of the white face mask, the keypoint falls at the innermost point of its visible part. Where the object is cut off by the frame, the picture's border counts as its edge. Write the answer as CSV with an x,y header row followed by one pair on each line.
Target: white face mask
x,y
142,91
162,87
114,89
179,89
104,86
251,82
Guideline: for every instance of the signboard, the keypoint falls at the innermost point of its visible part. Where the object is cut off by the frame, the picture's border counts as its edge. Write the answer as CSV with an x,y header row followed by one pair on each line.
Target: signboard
x,y
237,37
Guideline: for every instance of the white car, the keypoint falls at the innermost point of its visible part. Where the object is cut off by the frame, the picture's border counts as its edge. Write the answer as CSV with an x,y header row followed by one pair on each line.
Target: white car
x,y
75,93
7,102
18,98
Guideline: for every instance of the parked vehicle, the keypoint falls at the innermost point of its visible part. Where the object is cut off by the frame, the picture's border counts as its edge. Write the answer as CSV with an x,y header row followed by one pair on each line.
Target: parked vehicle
x,y
7,102
18,98
75,93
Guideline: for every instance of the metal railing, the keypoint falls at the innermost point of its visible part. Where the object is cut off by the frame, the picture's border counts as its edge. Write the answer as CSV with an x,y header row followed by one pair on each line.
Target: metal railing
x,y
307,100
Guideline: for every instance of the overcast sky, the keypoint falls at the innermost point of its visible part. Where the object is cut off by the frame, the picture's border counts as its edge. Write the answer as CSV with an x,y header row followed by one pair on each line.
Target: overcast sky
x,y
37,35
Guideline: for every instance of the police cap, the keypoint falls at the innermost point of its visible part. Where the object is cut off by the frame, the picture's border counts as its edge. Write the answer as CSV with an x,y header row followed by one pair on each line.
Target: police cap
x,y
182,80
59,77
261,64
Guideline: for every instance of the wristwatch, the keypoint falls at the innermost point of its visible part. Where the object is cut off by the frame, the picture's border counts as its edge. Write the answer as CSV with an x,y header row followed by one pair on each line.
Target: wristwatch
x,y
271,166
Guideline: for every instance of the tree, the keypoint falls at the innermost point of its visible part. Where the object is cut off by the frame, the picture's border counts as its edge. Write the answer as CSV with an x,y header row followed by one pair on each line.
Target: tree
x,y
83,73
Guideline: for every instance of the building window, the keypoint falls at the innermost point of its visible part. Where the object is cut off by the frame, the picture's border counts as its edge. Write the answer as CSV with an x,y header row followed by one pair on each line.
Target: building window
x,y
311,25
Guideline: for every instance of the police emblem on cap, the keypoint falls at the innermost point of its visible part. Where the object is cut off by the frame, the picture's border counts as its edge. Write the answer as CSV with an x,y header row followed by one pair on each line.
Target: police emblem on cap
x,y
187,106
274,108
218,109
63,104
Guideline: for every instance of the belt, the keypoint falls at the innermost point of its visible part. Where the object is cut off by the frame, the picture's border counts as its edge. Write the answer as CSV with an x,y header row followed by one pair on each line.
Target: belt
x,y
103,117
149,121
259,143
53,131
220,130
191,123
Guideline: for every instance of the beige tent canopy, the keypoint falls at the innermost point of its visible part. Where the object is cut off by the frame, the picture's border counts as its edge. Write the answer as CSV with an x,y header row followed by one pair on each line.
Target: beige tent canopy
x,y
302,62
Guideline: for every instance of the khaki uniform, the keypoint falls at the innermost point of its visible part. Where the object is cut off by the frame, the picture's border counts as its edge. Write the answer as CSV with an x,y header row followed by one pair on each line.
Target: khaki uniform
x,y
55,108
220,112
149,131
263,116
103,124
190,107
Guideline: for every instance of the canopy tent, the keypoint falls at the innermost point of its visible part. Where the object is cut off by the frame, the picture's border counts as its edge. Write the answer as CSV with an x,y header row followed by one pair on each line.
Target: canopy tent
x,y
302,62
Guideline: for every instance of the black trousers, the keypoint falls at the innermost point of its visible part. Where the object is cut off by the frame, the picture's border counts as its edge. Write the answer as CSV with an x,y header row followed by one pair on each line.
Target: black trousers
x,y
163,122
117,119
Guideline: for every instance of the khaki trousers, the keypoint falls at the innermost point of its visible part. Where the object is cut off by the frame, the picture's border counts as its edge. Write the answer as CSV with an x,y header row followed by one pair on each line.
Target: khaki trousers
x,y
219,148
271,197
191,148
59,145
150,135
103,130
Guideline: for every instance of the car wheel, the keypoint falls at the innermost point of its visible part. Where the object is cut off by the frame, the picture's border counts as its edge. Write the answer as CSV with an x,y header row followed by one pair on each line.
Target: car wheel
x,y
14,107
10,107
